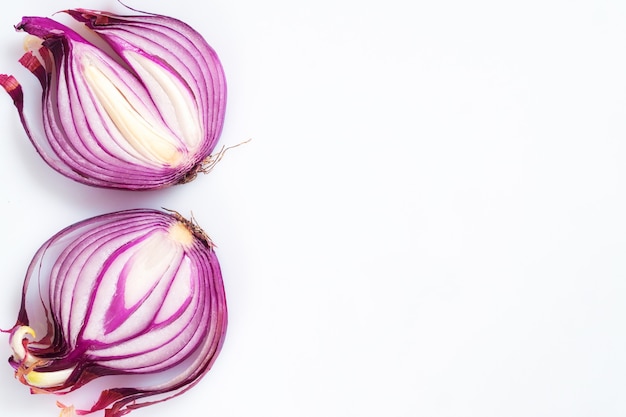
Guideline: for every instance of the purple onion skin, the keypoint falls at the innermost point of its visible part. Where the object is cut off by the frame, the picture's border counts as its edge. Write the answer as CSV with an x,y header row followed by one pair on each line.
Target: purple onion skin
x,y
162,129
135,292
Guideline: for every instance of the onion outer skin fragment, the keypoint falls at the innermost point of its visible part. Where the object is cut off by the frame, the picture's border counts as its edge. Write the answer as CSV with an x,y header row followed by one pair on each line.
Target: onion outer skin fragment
x,y
130,293
148,116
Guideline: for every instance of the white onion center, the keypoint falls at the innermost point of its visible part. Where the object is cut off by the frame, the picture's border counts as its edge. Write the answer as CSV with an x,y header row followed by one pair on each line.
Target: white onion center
x,y
142,134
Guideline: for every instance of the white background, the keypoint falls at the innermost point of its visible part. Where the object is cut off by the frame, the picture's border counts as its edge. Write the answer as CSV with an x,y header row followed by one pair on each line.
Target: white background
x,y
428,221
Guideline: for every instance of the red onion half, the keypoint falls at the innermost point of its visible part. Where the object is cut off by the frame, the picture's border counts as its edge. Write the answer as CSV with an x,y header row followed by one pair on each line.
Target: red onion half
x,y
146,116
133,293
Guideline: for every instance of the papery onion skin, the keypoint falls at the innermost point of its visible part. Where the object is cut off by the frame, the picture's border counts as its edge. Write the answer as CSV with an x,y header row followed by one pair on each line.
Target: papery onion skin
x,y
146,117
135,292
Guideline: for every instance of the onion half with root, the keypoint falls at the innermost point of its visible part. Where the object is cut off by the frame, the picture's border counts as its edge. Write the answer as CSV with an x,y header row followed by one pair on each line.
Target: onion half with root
x,y
144,114
128,294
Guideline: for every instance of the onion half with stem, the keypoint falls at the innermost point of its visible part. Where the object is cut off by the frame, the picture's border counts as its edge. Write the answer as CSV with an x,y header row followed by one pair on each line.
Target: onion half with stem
x,y
146,114
135,294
